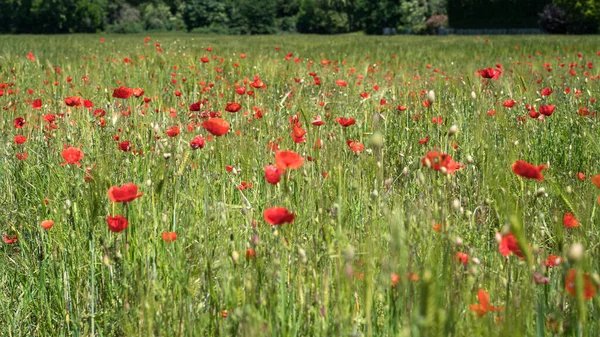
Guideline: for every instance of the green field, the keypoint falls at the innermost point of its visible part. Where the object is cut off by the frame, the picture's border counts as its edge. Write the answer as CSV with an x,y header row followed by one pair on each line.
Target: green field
x,y
390,240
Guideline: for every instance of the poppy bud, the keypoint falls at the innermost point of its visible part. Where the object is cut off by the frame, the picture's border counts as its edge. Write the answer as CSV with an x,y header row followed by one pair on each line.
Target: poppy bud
x,y
302,254
431,96
576,252
569,190
405,170
469,159
541,192
473,95
106,260
458,240
235,256
456,204
453,130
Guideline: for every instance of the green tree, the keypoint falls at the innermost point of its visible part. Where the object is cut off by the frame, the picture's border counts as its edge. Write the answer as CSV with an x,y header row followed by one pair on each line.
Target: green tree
x,y
583,15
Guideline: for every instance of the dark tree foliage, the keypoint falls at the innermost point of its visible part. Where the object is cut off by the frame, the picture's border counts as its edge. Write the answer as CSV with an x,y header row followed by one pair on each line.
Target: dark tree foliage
x,y
289,16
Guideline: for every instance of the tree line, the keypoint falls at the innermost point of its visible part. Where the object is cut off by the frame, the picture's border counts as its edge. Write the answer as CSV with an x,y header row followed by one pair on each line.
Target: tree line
x,y
294,16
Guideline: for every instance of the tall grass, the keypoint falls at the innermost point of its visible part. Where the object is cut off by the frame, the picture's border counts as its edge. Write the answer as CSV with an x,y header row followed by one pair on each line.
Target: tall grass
x,y
330,272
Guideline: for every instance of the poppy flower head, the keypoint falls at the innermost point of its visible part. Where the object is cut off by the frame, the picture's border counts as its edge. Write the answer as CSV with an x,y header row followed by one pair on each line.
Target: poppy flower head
x,y
527,170
117,223
9,240
355,146
438,161
345,121
547,110
173,131
72,156
233,107
553,261
570,221
490,73
74,101
509,244
126,193
589,289
288,160
197,143
273,174
484,306
19,122
216,126
169,236
122,92
47,224
277,216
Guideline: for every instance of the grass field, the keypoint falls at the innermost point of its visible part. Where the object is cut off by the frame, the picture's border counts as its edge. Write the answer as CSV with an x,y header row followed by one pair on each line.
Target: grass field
x,y
402,220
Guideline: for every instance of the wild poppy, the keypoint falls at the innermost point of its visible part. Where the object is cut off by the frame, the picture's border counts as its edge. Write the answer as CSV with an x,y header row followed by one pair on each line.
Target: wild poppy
x,y
527,170
233,107
216,126
169,236
553,261
122,92
395,279
19,122
509,103
277,216
547,110
72,156
461,257
250,253
355,146
345,121
20,139
589,290
484,306
490,73
126,193
37,104
117,223
596,180
47,224
317,121
288,160
173,131
74,101
509,244
197,143
10,239
546,92
273,174
341,83
137,92
437,161
570,221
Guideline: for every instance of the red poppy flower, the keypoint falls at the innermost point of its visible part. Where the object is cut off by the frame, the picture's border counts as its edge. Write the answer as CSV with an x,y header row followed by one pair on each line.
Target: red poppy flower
x,y
126,193
569,221
233,107
288,160
490,73
37,104
137,92
547,110
298,134
341,83
424,140
461,257
596,180
125,146
47,224
317,121
197,143
216,126
355,146
437,120
250,253
553,261
277,216
437,161
589,290
169,236
173,131
75,101
401,108
580,176
509,103
345,121
527,170
10,239
117,224
19,122
509,244
20,139
122,92
273,174
546,92
72,156
484,306
87,103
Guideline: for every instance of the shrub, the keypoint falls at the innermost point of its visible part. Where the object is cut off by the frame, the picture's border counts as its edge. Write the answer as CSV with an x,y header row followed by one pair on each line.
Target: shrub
x,y
435,22
553,20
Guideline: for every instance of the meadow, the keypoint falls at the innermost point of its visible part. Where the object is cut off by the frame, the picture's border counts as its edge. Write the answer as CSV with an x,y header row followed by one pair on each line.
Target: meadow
x,y
190,185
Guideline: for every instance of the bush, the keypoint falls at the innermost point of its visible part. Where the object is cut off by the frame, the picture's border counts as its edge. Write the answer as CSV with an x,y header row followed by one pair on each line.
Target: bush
x,y
127,20
553,20
159,18
435,22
